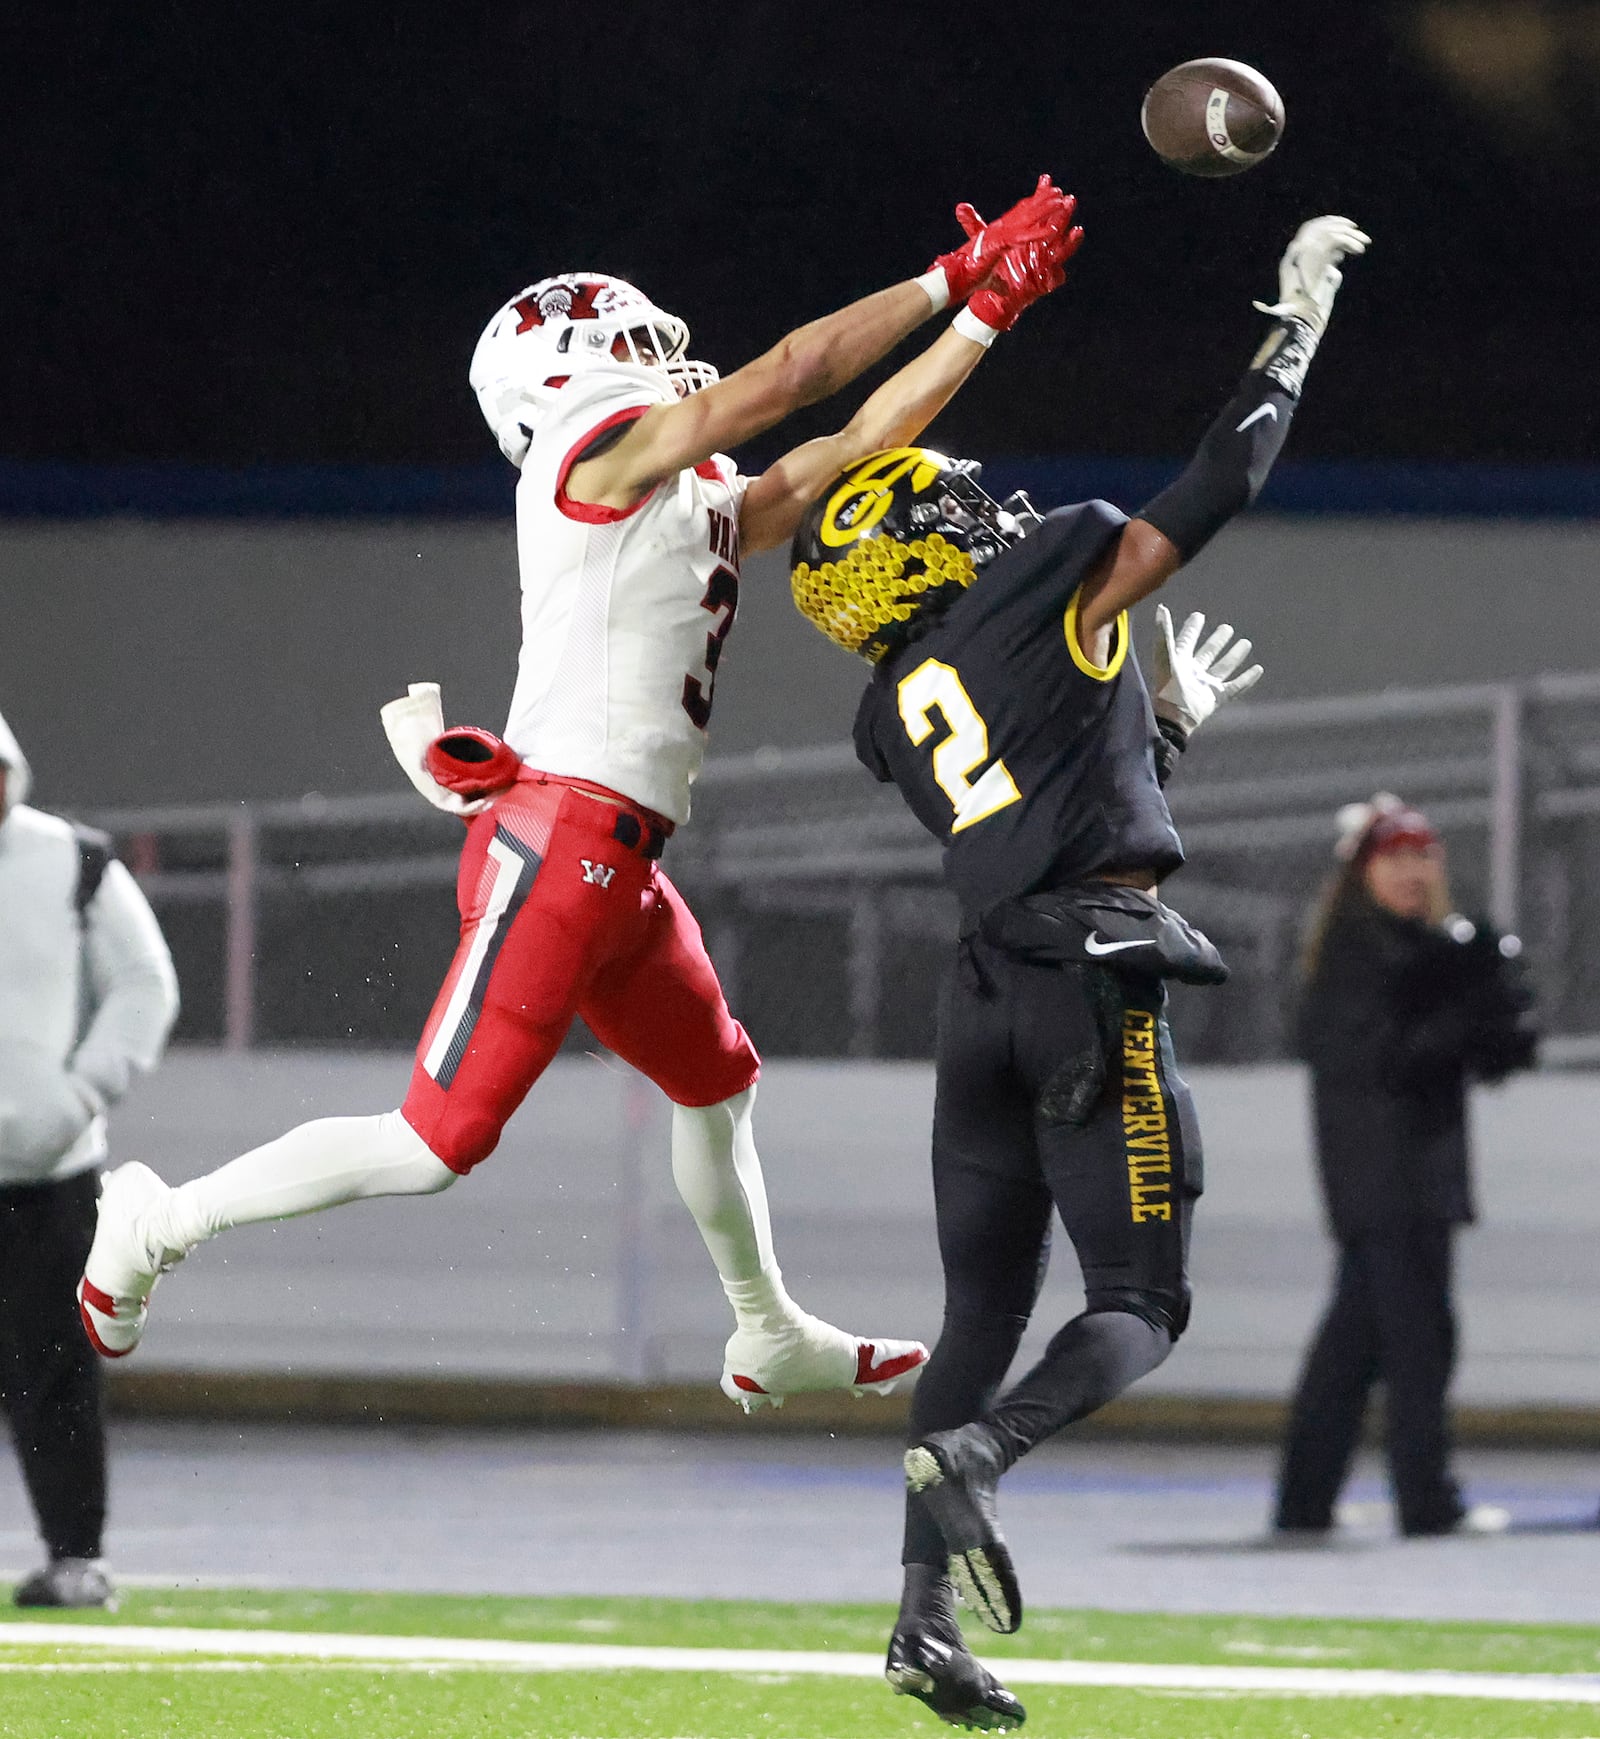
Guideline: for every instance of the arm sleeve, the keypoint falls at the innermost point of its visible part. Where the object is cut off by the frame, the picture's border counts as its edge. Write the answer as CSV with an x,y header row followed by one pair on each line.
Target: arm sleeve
x,y
132,988
1231,464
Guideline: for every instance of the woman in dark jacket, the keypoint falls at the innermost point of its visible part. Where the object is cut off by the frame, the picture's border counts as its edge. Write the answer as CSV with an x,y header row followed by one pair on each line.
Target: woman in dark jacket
x,y
1404,1004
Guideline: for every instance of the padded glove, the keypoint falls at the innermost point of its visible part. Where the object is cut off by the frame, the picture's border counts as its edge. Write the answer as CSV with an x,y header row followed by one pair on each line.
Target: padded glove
x,y
1030,219
1309,275
1194,678
472,762
411,724
1024,274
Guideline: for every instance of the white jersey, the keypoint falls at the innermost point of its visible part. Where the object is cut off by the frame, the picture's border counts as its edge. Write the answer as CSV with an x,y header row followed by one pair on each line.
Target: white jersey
x,y
623,613
87,990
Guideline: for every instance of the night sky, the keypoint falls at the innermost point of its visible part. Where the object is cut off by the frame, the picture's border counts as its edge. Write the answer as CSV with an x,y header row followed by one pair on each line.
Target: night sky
x,y
272,233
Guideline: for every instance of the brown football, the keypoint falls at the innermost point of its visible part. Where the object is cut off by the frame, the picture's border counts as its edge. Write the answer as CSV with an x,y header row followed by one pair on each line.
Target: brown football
x,y
1212,117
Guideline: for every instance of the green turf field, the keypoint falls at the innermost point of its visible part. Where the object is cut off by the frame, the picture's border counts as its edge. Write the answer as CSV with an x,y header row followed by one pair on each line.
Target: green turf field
x,y
130,1691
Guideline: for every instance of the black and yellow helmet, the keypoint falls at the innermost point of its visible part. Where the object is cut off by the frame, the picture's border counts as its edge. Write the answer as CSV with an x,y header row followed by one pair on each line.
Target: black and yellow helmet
x,y
887,531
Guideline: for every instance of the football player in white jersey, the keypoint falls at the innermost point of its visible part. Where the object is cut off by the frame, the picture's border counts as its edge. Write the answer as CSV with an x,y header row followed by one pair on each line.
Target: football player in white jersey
x,y
631,524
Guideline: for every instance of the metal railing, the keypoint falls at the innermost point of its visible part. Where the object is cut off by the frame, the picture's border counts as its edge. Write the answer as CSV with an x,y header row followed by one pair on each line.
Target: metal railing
x,y
821,895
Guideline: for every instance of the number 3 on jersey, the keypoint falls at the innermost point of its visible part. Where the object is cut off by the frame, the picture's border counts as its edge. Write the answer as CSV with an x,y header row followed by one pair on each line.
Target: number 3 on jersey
x,y
963,751
722,600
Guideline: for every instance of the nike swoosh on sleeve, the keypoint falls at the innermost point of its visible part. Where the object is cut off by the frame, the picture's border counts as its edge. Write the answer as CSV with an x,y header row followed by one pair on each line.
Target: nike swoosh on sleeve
x,y
1093,945
1256,415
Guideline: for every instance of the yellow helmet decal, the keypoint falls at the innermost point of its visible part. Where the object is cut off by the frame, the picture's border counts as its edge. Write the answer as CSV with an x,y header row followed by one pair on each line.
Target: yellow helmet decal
x,y
879,580
866,492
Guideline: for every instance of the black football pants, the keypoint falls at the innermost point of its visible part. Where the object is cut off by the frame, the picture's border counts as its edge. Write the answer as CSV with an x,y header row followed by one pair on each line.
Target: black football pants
x,y
49,1374
1056,1091
1391,1321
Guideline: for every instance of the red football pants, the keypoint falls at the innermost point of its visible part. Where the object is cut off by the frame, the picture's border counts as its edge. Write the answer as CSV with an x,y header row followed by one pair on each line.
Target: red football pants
x,y
563,914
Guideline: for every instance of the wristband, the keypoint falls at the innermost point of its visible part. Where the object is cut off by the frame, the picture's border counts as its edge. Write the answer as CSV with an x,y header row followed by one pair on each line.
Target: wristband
x,y
1174,730
1170,742
970,326
936,287
1286,353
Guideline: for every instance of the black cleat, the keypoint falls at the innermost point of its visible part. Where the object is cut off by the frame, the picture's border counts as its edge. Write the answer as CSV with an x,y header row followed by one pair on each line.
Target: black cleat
x,y
955,1473
929,1660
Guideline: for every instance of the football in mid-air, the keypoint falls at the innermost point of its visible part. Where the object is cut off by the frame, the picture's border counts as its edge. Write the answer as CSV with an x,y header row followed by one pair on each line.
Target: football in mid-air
x,y
1212,117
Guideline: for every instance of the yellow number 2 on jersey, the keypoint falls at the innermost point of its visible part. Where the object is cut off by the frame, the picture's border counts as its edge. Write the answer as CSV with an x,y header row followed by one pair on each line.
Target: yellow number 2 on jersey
x,y
963,751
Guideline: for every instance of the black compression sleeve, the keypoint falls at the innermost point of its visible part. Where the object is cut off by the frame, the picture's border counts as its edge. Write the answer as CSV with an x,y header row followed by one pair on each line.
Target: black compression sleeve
x,y
1231,465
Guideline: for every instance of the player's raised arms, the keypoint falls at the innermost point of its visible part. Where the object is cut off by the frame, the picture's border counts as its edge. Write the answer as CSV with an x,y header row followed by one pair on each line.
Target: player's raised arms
x,y
910,399
1232,462
810,363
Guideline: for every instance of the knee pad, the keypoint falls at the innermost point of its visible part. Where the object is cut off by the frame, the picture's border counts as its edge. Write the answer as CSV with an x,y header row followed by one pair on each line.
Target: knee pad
x,y
1167,1311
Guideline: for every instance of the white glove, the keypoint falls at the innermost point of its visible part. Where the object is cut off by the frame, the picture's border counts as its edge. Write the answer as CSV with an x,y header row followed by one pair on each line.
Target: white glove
x,y
1309,275
1193,679
411,723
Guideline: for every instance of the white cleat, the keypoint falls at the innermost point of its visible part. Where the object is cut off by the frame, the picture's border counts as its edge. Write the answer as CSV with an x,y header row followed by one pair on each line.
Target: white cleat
x,y
1484,1519
806,1355
122,1270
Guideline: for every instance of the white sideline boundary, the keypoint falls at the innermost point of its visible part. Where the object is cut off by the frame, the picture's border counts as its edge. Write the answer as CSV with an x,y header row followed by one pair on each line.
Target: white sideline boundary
x,y
566,1657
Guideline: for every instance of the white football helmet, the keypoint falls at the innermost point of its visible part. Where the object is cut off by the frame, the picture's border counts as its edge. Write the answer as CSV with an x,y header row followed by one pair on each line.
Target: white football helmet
x,y
561,326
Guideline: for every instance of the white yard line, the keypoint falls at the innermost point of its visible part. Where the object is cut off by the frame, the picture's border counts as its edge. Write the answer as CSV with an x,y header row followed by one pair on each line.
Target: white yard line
x,y
566,1657
163,1666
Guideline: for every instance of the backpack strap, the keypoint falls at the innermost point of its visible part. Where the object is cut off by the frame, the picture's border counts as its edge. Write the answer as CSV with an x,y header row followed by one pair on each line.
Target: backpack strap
x,y
95,853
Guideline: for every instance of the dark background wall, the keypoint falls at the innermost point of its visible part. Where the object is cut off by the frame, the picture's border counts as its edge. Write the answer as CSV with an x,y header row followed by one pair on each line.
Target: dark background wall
x,y
244,241
273,233
202,660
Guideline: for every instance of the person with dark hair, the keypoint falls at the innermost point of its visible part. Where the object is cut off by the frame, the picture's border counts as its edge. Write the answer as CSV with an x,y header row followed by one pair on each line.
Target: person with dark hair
x,y
1405,1003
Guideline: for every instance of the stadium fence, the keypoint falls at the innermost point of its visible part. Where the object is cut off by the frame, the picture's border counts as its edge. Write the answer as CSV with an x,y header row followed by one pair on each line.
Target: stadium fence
x,y
331,919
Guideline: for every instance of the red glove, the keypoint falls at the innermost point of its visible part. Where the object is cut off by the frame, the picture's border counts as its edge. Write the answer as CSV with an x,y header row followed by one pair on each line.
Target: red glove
x,y
1045,210
472,762
1024,274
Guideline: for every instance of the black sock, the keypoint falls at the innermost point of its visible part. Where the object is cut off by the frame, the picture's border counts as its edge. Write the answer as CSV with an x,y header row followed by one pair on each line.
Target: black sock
x,y
1089,1362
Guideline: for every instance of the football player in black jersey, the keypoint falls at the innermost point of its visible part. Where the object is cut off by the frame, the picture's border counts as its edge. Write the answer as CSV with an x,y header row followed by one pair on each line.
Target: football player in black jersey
x,y
1004,705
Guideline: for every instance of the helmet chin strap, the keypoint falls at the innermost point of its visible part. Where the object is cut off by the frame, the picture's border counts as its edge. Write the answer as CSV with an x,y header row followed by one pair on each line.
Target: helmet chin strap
x,y
1018,516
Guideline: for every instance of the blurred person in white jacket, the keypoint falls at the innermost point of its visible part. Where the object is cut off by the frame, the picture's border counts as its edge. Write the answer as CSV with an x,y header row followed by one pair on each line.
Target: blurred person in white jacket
x,y
87,998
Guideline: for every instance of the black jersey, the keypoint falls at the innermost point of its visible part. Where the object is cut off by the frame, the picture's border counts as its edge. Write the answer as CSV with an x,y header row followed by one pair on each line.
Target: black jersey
x,y
1034,766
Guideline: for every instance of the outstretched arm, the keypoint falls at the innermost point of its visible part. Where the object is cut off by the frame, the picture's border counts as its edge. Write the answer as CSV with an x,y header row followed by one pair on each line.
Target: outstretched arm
x,y
893,417
810,364
1231,465
908,401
